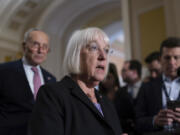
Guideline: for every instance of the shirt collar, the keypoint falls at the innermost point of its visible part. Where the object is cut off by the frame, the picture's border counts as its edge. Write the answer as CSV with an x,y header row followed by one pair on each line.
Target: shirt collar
x,y
25,62
136,85
168,79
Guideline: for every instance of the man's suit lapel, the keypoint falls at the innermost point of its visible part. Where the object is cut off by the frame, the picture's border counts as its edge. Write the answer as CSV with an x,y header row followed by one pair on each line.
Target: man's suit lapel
x,y
46,77
20,69
129,96
158,93
155,93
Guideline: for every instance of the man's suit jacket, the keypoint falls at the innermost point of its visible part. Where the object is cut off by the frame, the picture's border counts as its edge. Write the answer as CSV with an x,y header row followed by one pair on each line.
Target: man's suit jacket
x,y
16,97
148,105
124,104
64,109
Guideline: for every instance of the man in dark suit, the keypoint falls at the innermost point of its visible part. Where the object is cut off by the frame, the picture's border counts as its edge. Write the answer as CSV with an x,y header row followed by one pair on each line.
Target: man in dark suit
x,y
125,99
151,110
19,83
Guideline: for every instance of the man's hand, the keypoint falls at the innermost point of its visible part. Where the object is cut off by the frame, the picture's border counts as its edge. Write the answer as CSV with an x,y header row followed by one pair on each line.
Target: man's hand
x,y
165,117
177,114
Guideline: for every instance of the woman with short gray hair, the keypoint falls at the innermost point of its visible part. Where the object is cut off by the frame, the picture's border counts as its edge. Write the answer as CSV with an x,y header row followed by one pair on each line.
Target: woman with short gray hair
x,y
73,106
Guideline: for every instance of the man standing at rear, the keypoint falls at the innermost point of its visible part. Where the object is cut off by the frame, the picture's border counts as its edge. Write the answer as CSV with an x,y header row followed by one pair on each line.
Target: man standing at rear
x,y
20,81
126,97
152,111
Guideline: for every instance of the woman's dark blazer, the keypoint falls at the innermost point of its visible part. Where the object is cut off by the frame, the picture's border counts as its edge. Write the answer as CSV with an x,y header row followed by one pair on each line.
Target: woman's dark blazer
x,y
62,108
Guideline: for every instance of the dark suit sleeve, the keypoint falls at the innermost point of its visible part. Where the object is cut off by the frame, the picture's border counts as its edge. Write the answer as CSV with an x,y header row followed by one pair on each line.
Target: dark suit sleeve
x,y
144,121
48,116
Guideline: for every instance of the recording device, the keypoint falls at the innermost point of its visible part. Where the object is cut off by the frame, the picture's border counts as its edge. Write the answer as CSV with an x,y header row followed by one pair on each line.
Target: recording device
x,y
173,104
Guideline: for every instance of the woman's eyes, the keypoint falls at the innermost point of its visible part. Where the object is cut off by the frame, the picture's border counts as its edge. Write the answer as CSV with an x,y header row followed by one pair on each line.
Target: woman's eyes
x,y
93,48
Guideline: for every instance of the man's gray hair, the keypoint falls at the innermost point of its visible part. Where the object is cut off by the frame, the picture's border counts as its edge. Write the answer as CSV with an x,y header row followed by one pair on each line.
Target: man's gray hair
x,y
27,33
79,39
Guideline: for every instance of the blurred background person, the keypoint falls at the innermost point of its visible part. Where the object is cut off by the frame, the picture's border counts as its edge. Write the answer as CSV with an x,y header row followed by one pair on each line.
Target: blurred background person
x,y
153,65
110,85
125,99
131,74
72,106
20,81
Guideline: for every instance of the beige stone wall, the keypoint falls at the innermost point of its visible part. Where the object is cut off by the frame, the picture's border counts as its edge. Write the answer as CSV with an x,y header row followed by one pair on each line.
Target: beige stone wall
x,y
8,55
137,9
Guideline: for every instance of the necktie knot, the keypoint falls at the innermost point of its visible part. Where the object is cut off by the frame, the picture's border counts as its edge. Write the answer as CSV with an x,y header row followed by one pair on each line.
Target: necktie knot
x,y
34,69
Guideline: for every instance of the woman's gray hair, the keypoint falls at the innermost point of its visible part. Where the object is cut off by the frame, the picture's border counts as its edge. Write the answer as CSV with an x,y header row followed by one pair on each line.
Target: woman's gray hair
x,y
79,39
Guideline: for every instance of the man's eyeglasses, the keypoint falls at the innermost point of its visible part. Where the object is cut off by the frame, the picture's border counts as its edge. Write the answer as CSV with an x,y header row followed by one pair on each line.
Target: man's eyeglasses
x,y
36,45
